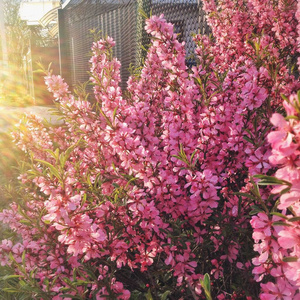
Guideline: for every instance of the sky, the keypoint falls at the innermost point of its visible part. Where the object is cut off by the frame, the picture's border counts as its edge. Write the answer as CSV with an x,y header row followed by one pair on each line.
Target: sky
x,y
33,11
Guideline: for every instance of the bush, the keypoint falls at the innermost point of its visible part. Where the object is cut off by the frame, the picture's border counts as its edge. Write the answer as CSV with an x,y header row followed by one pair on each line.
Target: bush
x,y
150,195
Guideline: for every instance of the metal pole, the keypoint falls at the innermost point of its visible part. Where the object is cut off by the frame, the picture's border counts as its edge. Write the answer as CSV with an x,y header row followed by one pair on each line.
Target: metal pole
x,y
4,63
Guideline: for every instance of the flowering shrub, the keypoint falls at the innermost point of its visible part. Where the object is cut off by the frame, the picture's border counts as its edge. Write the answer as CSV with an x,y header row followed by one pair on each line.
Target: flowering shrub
x,y
141,195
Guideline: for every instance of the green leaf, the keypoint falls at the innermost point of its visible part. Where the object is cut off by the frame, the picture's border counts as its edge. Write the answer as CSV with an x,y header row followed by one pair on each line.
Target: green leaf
x,y
129,182
178,157
290,259
72,147
25,222
53,170
65,156
11,257
114,167
245,195
255,189
270,180
115,113
39,71
22,283
74,274
193,154
279,223
149,295
143,13
6,277
10,290
251,43
294,219
49,67
52,153
165,295
23,257
182,152
106,118
67,280
246,138
291,117
83,199
205,283
278,214
285,191
255,210
81,282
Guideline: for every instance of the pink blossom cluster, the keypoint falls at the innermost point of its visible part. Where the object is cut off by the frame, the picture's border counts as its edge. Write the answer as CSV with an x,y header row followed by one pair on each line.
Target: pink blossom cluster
x,y
277,237
298,28
143,192
242,28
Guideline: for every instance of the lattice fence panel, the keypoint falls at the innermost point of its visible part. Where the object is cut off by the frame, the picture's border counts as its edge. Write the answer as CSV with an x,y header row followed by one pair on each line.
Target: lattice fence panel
x,y
121,19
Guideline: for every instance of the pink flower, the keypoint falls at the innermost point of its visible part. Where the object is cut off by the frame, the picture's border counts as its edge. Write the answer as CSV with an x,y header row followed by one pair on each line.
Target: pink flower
x,y
289,238
281,290
261,223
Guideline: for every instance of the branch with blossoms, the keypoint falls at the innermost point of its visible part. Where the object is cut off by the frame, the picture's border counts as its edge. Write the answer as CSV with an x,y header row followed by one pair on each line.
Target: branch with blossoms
x,y
276,233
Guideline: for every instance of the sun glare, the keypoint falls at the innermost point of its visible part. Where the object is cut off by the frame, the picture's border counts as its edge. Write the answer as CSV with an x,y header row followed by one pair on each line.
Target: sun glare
x,y
19,22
